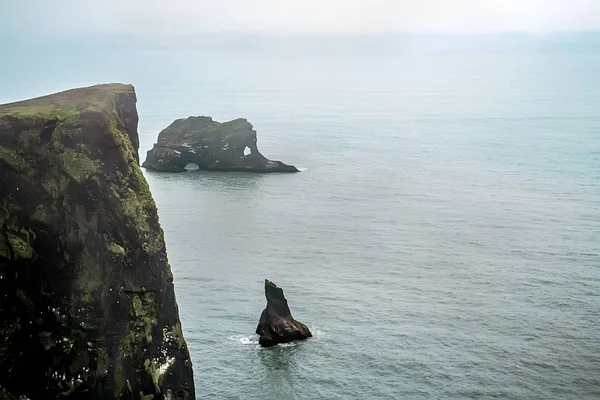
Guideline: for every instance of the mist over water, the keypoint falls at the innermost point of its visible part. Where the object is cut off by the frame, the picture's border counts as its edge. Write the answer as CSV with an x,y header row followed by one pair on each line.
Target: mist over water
x,y
443,241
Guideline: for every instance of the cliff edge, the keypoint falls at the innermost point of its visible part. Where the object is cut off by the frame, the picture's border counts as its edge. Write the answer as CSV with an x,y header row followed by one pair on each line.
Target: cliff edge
x,y
88,308
211,145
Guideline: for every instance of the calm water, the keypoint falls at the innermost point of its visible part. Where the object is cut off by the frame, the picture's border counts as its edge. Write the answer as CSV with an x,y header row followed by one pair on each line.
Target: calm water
x,y
442,243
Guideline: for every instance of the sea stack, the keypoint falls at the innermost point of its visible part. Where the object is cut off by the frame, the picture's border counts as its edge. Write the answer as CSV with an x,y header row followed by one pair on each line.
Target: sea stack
x,y
227,146
276,323
87,308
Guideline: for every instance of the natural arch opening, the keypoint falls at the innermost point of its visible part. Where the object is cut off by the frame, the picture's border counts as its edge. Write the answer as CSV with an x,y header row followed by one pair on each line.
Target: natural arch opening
x,y
191,167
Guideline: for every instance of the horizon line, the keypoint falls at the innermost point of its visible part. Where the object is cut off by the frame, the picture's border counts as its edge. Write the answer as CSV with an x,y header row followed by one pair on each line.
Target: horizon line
x,y
274,35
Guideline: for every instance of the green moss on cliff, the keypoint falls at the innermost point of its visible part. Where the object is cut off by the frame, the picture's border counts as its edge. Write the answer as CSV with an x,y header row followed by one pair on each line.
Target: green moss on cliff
x,y
78,165
146,396
121,138
4,395
8,220
55,180
144,318
178,336
20,245
116,249
17,241
42,214
6,332
7,212
137,204
69,116
15,159
134,207
152,370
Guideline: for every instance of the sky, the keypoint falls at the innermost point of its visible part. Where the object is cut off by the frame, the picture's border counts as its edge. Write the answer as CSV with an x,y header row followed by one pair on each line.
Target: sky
x,y
283,17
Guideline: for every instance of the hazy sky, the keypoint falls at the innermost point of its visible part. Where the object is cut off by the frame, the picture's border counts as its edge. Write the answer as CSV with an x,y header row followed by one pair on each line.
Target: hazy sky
x,y
163,17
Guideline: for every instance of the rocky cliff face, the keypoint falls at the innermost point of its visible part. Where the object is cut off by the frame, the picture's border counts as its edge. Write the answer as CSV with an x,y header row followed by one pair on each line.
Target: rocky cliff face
x,y
228,146
87,307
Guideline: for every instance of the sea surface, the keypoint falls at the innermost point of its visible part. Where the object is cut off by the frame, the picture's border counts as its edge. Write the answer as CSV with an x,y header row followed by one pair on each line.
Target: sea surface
x,y
442,241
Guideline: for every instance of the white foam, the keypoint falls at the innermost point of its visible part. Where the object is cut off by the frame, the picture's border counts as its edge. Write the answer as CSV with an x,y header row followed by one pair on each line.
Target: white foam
x,y
245,339
248,340
290,344
316,331
302,169
252,340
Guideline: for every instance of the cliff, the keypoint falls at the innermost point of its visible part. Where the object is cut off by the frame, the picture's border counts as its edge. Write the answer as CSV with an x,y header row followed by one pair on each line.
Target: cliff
x,y
87,305
228,146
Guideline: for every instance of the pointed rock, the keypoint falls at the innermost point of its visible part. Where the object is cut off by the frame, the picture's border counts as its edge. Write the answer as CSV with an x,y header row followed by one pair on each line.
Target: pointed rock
x,y
276,323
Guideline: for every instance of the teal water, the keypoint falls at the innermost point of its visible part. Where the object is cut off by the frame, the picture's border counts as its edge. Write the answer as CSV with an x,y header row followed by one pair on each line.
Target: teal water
x,y
442,243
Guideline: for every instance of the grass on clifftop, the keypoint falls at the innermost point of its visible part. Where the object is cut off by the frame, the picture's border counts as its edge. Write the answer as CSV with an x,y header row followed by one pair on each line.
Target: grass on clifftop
x,y
196,129
66,106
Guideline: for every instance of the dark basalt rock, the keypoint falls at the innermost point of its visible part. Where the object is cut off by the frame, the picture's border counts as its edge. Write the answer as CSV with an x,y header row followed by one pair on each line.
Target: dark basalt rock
x,y
228,146
87,307
276,323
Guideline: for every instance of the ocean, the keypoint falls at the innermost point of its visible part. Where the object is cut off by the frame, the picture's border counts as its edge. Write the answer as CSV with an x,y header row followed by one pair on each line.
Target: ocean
x,y
442,241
